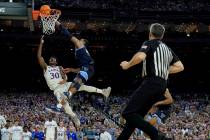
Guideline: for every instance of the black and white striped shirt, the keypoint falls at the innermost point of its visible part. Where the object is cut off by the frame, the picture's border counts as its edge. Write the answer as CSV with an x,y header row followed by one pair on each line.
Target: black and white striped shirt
x,y
159,58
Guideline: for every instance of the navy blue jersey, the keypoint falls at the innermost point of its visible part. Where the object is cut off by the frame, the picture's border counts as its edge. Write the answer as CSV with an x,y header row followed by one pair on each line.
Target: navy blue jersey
x,y
83,57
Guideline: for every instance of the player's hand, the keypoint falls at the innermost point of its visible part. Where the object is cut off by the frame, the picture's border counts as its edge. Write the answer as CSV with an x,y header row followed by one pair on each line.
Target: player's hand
x,y
62,82
124,65
157,104
42,39
67,70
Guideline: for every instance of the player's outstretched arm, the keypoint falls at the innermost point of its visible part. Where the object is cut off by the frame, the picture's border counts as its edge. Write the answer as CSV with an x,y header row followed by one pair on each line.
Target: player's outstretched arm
x,y
74,70
66,32
63,75
39,54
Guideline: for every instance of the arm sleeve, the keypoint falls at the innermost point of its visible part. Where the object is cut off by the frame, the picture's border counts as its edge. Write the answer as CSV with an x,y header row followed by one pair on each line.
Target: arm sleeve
x,y
145,47
175,57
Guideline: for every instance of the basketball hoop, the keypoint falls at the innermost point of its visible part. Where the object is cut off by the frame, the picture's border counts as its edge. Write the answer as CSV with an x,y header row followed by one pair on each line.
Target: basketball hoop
x,y
49,20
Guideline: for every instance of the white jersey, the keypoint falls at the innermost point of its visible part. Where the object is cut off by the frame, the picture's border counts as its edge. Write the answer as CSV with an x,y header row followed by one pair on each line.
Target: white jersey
x,y
16,132
61,132
5,134
105,136
27,135
53,76
2,121
50,129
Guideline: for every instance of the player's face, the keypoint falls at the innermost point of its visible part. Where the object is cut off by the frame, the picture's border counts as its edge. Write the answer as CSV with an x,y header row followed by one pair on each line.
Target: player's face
x,y
25,129
61,124
71,129
52,61
16,123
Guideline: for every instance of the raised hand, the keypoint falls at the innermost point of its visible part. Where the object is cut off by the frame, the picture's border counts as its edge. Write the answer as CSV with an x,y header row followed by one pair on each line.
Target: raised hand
x,y
42,39
124,65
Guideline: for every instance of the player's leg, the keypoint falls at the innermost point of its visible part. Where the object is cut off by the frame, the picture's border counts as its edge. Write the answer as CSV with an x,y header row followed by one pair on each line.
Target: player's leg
x,y
62,100
90,89
78,81
68,110
58,92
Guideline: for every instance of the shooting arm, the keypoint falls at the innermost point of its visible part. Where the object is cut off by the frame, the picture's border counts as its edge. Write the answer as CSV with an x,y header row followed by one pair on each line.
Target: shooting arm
x,y
63,75
39,55
74,70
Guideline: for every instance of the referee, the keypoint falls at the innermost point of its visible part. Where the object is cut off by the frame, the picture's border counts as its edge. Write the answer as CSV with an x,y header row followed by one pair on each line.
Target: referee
x,y
158,62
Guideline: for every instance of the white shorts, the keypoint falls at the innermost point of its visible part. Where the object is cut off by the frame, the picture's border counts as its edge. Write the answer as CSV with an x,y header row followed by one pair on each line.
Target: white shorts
x,y
59,90
50,138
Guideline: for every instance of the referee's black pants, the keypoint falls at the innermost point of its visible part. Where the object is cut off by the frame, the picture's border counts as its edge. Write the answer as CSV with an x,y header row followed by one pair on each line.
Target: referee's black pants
x,y
150,91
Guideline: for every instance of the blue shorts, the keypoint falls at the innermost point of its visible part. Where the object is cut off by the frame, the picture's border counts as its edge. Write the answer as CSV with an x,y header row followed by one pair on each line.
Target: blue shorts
x,y
86,73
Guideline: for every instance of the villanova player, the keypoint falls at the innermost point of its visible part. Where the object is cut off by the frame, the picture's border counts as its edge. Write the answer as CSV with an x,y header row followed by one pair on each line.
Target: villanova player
x,y
85,62
57,81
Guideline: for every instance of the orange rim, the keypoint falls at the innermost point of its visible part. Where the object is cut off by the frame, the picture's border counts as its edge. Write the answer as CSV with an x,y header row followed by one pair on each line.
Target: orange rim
x,y
52,12
35,14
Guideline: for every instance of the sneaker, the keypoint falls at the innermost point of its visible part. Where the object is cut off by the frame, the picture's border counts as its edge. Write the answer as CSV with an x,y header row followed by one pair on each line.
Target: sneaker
x,y
107,91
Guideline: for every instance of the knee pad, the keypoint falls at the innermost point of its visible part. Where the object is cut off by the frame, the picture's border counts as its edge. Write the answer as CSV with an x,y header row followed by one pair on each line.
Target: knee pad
x,y
81,78
83,75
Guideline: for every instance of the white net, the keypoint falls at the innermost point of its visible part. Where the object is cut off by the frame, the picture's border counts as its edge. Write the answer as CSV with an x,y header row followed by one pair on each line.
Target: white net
x,y
48,21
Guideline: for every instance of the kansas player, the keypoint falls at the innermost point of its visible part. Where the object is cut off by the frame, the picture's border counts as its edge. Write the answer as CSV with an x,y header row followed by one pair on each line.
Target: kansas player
x,y
27,135
61,131
3,121
16,131
50,129
56,81
5,133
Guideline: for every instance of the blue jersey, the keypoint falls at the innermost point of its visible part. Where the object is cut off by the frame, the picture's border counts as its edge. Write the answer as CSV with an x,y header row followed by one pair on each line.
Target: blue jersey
x,y
37,135
83,57
71,136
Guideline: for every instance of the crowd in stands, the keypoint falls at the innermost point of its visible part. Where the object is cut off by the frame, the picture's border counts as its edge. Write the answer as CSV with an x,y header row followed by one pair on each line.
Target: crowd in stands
x,y
188,120
152,5
127,27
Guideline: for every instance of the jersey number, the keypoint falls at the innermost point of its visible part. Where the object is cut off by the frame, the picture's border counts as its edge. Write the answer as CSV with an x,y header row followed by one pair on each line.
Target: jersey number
x,y
54,75
60,134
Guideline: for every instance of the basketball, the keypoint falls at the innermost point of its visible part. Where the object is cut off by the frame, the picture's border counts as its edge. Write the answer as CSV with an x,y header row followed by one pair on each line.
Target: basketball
x,y
45,9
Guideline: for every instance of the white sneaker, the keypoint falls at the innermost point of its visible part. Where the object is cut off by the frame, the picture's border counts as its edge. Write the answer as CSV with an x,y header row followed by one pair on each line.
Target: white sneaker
x,y
107,91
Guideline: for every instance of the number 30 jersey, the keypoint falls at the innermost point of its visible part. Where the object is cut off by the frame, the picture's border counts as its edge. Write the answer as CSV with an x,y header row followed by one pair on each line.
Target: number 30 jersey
x,y
52,76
